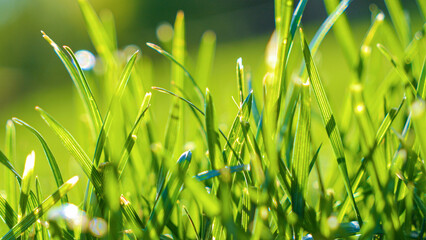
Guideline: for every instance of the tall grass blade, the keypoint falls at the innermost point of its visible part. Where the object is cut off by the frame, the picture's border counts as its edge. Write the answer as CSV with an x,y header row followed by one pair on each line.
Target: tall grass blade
x,y
75,149
7,214
205,59
80,82
328,121
102,138
212,136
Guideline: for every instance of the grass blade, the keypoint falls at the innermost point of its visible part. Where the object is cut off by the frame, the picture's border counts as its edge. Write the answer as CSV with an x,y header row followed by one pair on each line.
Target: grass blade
x,y
205,59
27,177
301,152
5,162
212,136
7,214
112,109
80,82
33,216
75,149
132,217
49,155
328,121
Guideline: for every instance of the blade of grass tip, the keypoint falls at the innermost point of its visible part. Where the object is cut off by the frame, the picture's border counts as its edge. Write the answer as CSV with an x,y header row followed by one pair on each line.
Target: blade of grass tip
x,y
38,212
88,95
205,59
178,49
236,132
209,202
192,222
27,177
132,217
99,36
240,79
301,152
181,98
399,20
7,214
75,149
132,137
112,108
49,155
171,58
80,82
168,197
397,65
328,121
206,175
212,136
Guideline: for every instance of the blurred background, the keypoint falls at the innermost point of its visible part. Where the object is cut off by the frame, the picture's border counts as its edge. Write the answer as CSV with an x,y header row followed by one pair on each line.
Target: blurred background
x,y
32,75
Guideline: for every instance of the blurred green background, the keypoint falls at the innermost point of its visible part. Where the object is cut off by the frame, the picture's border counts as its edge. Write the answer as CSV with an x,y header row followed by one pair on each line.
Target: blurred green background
x,y
32,75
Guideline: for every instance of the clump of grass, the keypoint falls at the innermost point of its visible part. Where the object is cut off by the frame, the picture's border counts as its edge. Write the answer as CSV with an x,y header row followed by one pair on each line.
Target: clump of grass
x,y
253,181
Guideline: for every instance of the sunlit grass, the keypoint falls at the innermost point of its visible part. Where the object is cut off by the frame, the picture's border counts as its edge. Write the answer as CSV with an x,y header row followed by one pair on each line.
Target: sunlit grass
x,y
285,166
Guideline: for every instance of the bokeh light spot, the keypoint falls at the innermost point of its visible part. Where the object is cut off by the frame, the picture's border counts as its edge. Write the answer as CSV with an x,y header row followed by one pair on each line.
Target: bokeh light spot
x,y
164,32
86,59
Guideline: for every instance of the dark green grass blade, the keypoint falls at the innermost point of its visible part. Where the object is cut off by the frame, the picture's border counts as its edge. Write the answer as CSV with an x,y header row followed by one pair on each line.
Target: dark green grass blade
x,y
80,82
49,155
5,162
102,138
329,121
33,216
75,149
7,214
212,135
27,178
173,59
301,151
167,200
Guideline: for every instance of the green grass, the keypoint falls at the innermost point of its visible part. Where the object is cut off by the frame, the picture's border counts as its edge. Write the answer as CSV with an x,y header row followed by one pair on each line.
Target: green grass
x,y
291,162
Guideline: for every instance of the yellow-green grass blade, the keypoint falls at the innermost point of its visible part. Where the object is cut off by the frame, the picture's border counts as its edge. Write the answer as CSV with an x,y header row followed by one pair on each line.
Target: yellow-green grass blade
x,y
422,8
27,178
216,160
112,110
169,195
175,61
344,35
209,202
421,87
328,121
301,152
10,153
399,20
112,200
7,214
101,40
236,132
205,59
181,98
131,138
132,217
80,82
383,129
397,65
75,149
49,155
240,79
418,109
203,176
38,212
41,231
